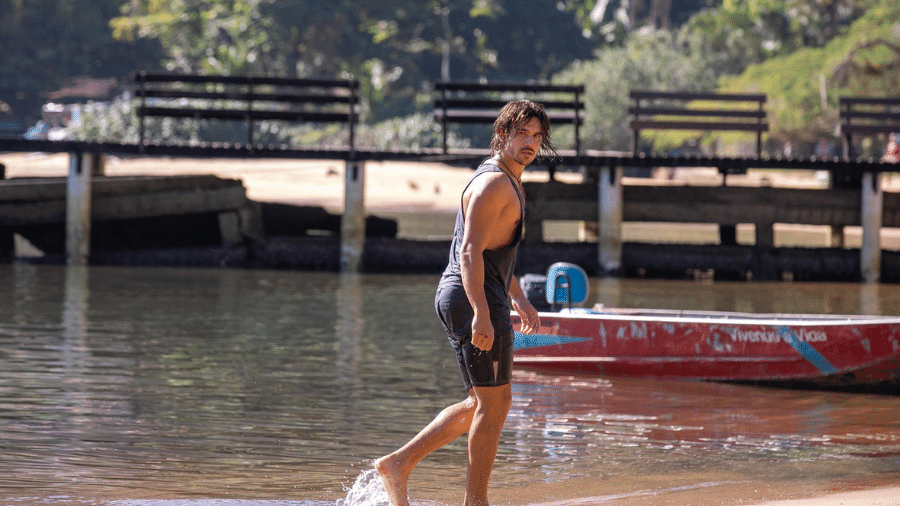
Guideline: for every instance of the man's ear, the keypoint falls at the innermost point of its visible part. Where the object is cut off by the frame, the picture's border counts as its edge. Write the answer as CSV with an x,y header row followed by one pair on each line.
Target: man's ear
x,y
503,134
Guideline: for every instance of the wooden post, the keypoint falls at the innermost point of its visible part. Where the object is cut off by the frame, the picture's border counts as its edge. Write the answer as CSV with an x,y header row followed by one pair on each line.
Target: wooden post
x,y
765,235
78,208
609,240
872,210
727,234
353,222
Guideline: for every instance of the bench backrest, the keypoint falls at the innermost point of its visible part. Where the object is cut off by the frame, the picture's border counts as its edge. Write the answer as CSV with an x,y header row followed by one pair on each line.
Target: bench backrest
x,y
867,116
247,98
479,103
664,110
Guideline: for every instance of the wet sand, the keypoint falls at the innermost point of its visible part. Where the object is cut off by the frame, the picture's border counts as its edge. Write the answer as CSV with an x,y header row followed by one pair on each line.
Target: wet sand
x,y
880,497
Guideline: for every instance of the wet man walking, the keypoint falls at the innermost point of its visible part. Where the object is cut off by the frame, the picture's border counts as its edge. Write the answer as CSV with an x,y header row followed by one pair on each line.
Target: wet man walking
x,y
471,302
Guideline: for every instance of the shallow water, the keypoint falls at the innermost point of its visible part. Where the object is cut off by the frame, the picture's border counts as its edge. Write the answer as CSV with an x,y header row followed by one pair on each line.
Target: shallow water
x,y
174,387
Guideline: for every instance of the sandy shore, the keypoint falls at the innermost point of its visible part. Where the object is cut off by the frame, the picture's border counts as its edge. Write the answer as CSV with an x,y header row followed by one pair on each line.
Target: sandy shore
x,y
398,185
389,185
878,497
423,197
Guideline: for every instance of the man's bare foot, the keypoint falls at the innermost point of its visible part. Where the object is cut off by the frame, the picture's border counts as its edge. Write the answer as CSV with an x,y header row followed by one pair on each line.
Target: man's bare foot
x,y
394,481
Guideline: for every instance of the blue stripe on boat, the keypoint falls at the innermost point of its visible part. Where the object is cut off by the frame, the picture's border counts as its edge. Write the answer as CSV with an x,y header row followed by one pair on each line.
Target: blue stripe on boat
x,y
523,341
808,352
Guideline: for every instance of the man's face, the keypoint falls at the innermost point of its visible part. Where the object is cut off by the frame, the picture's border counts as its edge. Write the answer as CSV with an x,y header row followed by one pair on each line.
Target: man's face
x,y
524,142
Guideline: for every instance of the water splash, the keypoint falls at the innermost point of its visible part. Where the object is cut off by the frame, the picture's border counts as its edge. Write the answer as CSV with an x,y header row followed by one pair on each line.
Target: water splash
x,y
366,491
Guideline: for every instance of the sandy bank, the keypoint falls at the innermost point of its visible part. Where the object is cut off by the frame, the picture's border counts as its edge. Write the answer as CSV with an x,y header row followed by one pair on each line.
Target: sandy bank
x,y
878,497
424,196
389,185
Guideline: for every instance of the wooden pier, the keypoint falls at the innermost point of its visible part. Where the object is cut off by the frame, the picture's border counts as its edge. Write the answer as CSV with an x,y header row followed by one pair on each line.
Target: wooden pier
x,y
603,199
115,213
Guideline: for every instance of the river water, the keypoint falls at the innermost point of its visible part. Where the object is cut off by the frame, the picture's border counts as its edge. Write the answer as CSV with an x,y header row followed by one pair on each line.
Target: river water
x,y
171,387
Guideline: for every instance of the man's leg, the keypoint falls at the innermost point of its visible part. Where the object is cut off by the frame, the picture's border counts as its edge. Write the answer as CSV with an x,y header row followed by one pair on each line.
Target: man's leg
x,y
484,437
449,424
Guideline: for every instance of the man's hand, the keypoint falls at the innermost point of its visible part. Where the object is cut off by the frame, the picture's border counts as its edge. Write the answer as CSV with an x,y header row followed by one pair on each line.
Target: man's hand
x,y
482,333
531,322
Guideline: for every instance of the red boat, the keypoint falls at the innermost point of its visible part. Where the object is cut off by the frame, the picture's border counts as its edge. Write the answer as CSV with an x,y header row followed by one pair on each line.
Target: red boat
x,y
813,350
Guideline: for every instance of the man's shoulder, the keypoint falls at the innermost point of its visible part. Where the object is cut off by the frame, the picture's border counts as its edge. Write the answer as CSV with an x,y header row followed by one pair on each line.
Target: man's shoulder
x,y
492,181
488,165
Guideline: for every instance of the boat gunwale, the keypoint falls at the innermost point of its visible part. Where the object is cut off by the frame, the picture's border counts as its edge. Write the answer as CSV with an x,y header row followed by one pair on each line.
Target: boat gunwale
x,y
724,317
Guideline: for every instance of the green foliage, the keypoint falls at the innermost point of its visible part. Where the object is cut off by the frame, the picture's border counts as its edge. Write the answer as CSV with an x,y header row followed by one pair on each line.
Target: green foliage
x,y
46,42
395,47
804,86
648,60
415,132
117,122
746,32
214,36
112,122
796,51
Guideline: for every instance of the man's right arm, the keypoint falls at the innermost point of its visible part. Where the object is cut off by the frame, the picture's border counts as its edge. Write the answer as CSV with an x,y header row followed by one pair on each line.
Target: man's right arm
x,y
481,215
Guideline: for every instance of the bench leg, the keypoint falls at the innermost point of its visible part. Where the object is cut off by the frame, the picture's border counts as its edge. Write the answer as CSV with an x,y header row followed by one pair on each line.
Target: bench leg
x,y
728,235
765,235
7,244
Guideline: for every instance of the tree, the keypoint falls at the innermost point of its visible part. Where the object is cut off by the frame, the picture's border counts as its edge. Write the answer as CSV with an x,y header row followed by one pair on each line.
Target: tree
x,y
396,49
747,32
651,60
45,42
805,86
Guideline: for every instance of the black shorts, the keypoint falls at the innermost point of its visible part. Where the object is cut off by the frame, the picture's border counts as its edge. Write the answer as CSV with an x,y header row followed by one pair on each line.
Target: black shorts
x,y
477,367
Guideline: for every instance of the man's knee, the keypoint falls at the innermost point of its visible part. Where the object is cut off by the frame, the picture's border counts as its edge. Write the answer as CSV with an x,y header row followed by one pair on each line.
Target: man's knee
x,y
494,400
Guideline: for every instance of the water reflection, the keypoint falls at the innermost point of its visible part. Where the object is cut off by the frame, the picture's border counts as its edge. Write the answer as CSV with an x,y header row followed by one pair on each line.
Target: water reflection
x,y
123,384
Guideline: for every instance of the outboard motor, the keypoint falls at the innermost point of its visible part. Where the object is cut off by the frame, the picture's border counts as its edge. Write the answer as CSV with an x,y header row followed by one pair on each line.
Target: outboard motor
x,y
535,288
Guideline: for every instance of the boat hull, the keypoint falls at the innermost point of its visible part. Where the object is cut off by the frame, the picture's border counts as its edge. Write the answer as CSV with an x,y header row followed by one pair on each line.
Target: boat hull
x,y
819,350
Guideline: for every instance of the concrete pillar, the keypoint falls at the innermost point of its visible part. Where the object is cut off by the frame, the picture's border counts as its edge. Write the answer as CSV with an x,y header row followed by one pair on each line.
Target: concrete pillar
x,y
78,208
871,213
609,230
869,299
353,222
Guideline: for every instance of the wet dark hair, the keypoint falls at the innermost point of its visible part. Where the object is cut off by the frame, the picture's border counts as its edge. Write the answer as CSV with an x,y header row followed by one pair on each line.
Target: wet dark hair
x,y
514,115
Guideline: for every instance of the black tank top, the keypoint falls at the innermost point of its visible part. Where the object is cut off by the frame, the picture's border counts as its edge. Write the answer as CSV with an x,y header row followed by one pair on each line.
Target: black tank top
x,y
498,263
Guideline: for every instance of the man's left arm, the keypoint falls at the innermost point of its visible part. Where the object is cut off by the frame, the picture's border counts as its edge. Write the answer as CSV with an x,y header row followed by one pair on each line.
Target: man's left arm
x,y
531,322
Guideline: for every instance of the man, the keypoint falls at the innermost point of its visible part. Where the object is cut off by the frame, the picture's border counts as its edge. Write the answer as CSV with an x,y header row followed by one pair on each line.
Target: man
x,y
471,302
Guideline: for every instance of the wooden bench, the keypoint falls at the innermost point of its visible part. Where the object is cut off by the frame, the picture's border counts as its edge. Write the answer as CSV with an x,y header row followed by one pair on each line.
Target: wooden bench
x,y
867,116
477,103
247,98
663,110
